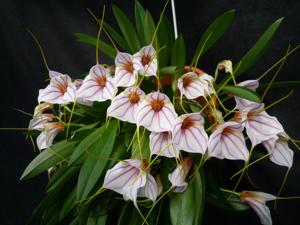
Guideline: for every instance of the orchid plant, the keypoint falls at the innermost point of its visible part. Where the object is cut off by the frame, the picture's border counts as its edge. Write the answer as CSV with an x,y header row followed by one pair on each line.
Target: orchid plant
x,y
139,141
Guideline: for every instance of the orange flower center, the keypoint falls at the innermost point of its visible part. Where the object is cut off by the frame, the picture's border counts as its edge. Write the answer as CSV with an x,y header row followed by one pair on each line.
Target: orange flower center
x,y
145,60
133,97
187,81
157,105
227,130
62,88
101,80
187,123
129,67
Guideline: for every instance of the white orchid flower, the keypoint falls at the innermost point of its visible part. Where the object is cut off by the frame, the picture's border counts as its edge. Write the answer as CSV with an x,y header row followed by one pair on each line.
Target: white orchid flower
x,y
279,150
40,108
192,85
257,201
78,83
126,71
147,58
243,103
38,121
225,65
156,113
124,106
97,86
189,134
46,137
178,176
227,141
260,126
161,144
61,90
130,179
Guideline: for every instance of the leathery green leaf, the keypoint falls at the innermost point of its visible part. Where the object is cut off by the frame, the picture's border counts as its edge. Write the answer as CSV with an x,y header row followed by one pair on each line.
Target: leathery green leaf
x,y
140,20
242,92
178,54
258,48
96,161
127,29
213,33
48,158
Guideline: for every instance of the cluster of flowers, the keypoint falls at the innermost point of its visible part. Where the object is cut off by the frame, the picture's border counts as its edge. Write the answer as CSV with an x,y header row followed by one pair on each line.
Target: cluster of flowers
x,y
170,132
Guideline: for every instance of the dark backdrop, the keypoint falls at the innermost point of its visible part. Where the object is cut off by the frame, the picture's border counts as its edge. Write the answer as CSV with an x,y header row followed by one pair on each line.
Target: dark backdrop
x,y
54,22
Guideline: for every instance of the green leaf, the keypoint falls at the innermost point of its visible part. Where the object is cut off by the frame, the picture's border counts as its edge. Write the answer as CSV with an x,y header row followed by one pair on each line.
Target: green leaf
x,y
127,29
149,28
169,70
242,92
186,208
69,204
144,142
178,54
97,220
103,47
258,48
140,20
85,144
213,33
93,166
48,158
116,37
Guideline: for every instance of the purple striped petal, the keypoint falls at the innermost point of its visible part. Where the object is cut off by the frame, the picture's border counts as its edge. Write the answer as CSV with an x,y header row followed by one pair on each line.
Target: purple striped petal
x,y
126,70
243,103
40,108
97,86
150,189
38,121
227,141
161,144
257,201
124,106
156,113
46,137
190,85
146,57
189,134
279,150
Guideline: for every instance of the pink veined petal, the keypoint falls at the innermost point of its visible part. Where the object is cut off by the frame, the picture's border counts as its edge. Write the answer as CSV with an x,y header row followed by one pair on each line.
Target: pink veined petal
x,y
161,144
177,179
149,190
70,94
261,127
227,141
189,134
243,103
46,137
147,58
190,85
124,106
280,153
41,141
207,81
53,74
156,113
38,122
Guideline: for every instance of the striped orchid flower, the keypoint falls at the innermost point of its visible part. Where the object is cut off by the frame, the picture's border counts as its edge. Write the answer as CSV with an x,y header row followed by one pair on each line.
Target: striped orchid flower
x,y
156,113
40,108
98,85
38,121
124,105
189,134
161,144
178,176
61,90
147,58
127,67
243,103
279,150
131,179
260,126
78,83
46,137
192,85
257,201
227,141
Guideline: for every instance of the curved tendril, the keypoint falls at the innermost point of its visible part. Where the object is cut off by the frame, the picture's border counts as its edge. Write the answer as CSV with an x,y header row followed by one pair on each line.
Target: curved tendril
x,y
282,186
70,119
201,50
98,36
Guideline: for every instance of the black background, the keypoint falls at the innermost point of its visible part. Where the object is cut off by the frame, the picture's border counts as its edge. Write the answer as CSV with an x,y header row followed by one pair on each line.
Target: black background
x,y
54,22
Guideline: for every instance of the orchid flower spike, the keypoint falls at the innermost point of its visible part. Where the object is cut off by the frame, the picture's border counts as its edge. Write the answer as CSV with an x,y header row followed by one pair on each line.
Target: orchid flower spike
x,y
257,201
178,176
192,85
46,137
124,106
147,58
156,113
131,179
127,67
189,134
161,144
98,85
227,141
260,126
243,103
279,150
61,90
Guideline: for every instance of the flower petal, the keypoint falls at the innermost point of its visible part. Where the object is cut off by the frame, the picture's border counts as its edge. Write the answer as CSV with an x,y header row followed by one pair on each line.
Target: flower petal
x,y
46,137
147,58
150,189
161,144
243,103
